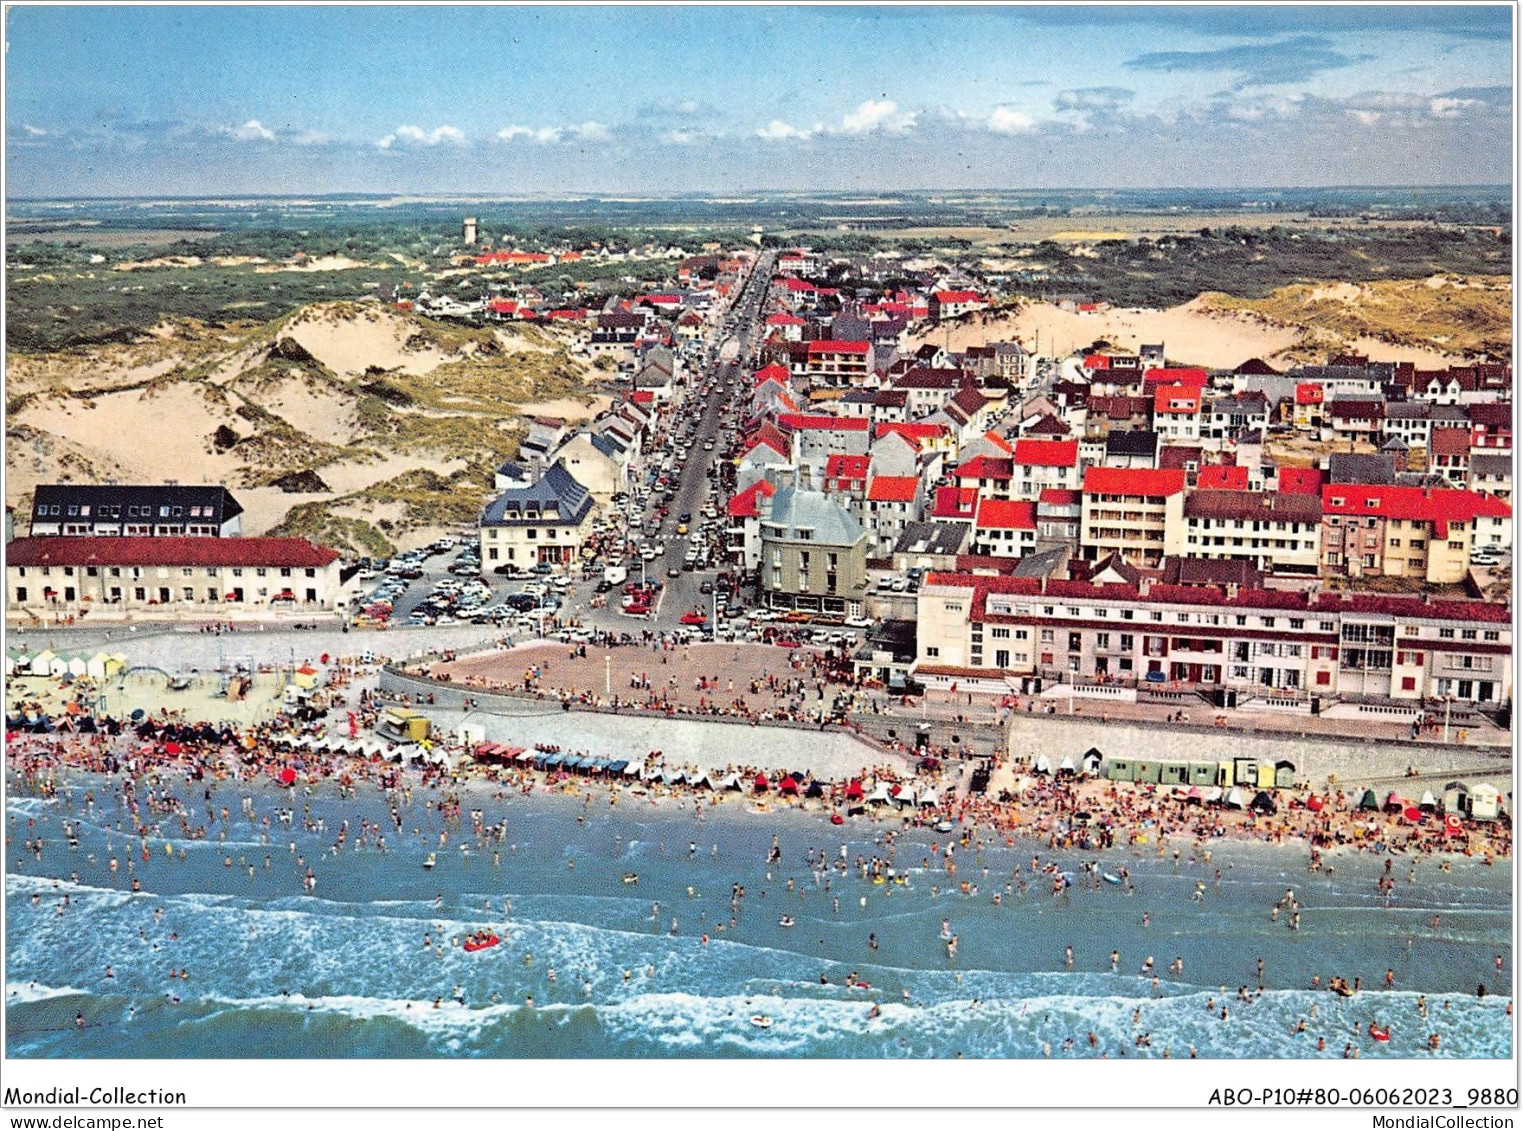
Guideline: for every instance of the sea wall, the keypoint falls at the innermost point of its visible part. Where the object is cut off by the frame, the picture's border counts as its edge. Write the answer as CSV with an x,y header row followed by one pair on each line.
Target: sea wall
x,y
1352,761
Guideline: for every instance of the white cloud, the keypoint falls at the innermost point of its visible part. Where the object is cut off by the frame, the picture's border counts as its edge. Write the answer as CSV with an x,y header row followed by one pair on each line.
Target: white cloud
x,y
1450,107
869,117
778,130
680,137
417,135
34,131
1004,120
1365,117
549,135
882,115
251,130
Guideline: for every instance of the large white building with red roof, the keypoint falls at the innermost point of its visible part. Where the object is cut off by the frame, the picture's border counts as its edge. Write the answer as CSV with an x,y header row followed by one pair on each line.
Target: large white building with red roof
x,y
168,574
1005,633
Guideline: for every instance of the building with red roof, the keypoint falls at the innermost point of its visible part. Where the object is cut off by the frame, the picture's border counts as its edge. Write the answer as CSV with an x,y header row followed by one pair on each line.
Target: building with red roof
x,y
846,475
1005,528
992,631
955,503
1039,464
1191,377
952,304
743,535
839,364
1301,480
990,476
71,574
1222,477
1413,532
1137,513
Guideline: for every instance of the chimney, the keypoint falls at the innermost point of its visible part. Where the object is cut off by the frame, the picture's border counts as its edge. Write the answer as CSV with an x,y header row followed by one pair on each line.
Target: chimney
x,y
1144,585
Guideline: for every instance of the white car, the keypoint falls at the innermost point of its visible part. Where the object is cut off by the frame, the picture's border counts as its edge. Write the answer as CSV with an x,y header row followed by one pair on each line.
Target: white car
x,y
857,622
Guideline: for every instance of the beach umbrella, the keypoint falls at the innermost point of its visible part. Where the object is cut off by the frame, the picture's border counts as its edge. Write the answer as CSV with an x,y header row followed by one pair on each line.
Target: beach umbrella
x,y
1262,803
1394,802
288,776
761,783
1453,826
854,791
1368,803
1428,802
1413,814
788,785
1195,795
1314,803
1236,798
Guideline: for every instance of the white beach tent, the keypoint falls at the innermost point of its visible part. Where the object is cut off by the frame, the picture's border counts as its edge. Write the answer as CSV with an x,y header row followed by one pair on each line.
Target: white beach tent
x,y
1042,765
633,770
930,797
880,795
905,796
731,781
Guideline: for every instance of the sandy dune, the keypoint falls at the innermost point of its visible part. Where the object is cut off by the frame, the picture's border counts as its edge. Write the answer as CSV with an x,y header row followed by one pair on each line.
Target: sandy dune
x,y
350,344
1191,334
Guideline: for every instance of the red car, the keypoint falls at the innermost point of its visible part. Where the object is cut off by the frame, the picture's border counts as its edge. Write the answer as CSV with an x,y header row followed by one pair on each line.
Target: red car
x,y
694,617
787,642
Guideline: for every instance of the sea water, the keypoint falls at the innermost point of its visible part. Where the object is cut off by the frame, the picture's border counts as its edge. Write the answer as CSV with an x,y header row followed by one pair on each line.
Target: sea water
x,y
275,970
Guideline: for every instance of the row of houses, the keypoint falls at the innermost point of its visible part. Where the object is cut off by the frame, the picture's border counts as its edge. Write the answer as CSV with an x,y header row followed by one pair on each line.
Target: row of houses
x,y
1115,632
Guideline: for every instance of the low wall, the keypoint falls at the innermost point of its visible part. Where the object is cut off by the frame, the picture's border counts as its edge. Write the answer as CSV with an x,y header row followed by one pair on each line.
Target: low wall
x,y
1315,758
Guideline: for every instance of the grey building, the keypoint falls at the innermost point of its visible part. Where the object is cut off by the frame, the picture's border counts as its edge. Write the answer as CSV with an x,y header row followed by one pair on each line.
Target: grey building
x,y
813,554
160,510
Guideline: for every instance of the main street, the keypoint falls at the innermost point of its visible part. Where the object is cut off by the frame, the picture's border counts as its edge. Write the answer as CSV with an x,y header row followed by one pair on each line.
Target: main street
x,y
693,489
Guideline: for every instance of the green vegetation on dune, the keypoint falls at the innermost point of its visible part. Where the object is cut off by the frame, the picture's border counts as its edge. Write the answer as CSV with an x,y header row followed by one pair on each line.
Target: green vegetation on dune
x,y
1252,263
317,522
1458,315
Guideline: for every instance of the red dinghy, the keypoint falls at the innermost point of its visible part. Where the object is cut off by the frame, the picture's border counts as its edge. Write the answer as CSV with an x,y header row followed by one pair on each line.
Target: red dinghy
x,y
480,944
1378,1033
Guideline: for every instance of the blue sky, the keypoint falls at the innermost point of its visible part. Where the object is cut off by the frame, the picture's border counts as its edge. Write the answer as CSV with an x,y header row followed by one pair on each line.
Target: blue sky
x,y
194,101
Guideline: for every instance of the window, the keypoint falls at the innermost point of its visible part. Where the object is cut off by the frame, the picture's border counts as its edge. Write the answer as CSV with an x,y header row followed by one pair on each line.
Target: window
x,y
21,594
1467,634
1000,634
1492,634
932,652
1297,622
260,571
1046,636
1075,641
1446,634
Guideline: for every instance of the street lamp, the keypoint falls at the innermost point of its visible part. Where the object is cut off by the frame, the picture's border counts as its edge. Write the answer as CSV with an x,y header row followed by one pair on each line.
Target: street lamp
x,y
608,673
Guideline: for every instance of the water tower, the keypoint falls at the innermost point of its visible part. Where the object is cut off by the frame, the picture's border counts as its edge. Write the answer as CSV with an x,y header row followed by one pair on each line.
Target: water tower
x,y
468,231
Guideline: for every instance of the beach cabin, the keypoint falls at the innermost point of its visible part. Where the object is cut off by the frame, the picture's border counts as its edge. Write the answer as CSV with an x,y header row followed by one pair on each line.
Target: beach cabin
x,y
305,676
1456,797
117,664
1174,773
1264,775
1148,772
1203,773
1245,771
42,662
1284,774
1089,765
58,666
1485,803
95,668
1121,769
79,667
407,723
